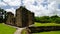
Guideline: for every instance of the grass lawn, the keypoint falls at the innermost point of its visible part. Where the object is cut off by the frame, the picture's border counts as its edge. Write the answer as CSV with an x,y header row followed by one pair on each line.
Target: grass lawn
x,y
46,24
4,29
51,32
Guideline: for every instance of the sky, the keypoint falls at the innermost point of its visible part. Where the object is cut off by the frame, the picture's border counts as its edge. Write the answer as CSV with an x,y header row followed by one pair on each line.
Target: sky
x,y
39,7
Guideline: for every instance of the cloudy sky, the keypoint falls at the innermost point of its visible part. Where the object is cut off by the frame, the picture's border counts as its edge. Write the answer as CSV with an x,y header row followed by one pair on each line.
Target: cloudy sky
x,y
39,7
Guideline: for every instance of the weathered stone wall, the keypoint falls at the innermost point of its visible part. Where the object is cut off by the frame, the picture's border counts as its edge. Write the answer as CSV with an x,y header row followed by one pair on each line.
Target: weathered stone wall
x,y
21,17
44,28
18,17
24,17
10,18
30,18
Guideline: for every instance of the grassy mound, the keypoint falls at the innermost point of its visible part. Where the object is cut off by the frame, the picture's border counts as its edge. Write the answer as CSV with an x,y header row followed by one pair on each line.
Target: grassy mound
x,y
46,24
4,29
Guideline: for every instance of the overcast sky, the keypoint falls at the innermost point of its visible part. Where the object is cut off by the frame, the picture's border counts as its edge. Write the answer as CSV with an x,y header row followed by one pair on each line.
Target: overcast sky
x,y
39,7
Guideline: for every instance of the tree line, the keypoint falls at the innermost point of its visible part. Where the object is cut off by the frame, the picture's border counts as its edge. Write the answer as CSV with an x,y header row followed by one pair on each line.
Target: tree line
x,y
3,15
47,19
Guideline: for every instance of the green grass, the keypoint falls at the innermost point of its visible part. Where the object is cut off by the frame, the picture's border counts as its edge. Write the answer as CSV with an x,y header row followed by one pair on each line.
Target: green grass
x,y
4,29
24,31
46,24
51,32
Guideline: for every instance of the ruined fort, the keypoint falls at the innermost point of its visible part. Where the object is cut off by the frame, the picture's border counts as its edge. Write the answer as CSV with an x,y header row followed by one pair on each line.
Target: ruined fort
x,y
22,18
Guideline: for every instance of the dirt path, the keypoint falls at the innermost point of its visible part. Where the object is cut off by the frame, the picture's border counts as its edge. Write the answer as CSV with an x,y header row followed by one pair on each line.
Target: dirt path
x,y
19,30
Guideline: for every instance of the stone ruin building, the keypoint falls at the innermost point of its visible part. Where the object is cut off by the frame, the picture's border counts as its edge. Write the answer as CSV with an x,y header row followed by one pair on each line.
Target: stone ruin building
x,y
10,18
23,17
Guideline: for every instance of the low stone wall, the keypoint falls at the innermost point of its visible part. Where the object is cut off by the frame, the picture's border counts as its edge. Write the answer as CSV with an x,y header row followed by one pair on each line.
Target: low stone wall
x,y
44,28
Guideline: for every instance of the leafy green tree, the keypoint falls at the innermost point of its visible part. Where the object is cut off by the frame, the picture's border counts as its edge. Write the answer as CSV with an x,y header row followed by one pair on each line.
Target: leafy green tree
x,y
37,19
47,19
2,15
44,19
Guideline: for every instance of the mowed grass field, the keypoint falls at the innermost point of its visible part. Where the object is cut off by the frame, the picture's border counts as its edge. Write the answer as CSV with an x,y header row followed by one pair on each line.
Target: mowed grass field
x,y
47,24
4,29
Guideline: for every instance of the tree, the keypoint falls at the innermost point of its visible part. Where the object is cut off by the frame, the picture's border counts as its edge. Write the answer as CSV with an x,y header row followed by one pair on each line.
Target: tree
x,y
47,19
2,15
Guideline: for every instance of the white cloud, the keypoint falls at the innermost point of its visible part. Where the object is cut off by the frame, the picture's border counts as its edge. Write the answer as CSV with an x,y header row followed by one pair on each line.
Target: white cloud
x,y
11,10
39,9
2,4
58,1
13,2
53,6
